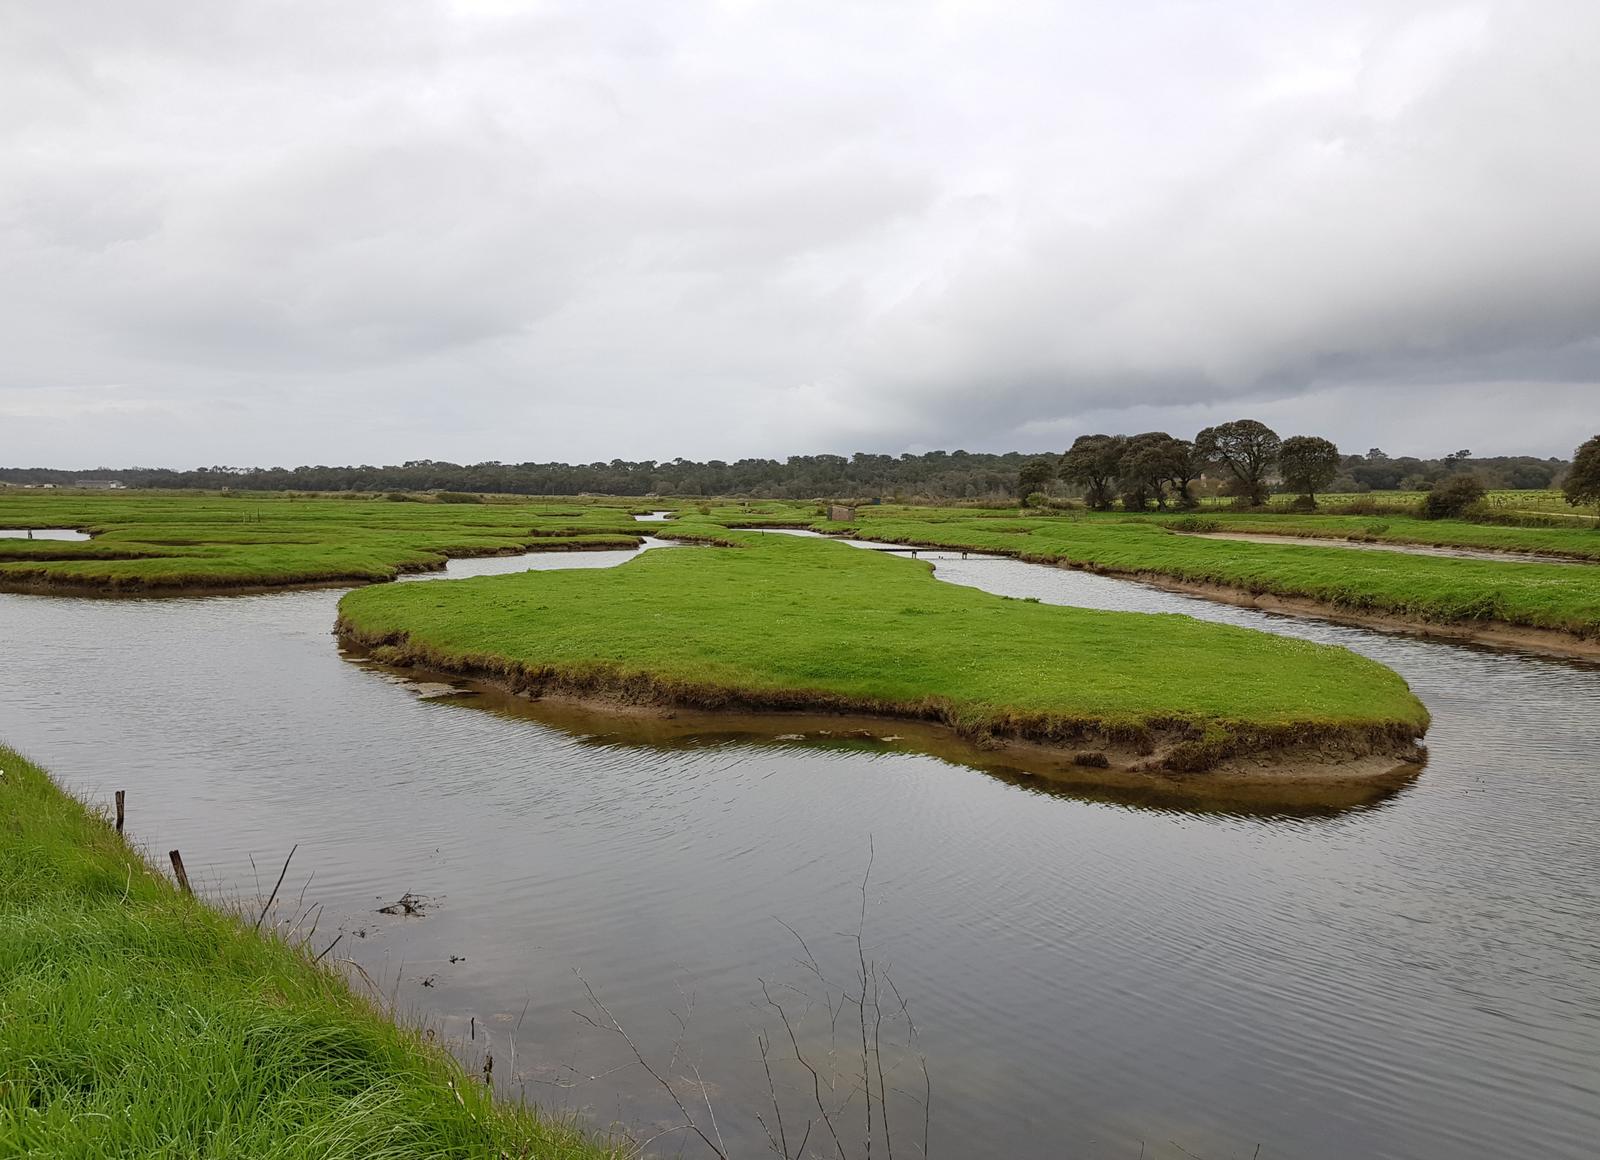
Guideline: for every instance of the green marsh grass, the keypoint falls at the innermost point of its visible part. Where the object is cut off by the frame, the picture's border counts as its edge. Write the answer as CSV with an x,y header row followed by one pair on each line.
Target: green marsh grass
x,y
1424,590
788,623
1575,542
136,1022
148,542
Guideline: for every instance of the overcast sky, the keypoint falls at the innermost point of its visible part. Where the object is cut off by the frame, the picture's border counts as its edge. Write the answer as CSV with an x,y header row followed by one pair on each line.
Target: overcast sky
x,y
299,231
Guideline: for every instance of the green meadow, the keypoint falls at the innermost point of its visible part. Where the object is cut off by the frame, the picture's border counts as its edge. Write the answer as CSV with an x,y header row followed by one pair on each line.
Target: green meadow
x,y
175,542
781,622
136,1022
1575,542
1423,590
155,542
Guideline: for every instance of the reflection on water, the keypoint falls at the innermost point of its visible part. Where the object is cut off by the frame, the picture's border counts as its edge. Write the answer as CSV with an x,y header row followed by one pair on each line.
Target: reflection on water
x,y
1041,770
1418,978
42,534
535,562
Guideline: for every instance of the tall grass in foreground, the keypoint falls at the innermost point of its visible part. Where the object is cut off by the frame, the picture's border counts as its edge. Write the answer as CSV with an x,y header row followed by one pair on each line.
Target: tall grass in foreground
x,y
137,1022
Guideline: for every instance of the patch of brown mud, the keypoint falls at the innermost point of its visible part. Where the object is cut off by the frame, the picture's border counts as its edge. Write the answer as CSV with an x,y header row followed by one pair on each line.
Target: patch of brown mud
x,y
1340,773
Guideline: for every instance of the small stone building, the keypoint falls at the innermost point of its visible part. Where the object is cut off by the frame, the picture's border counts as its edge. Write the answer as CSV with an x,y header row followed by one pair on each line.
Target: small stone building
x,y
841,514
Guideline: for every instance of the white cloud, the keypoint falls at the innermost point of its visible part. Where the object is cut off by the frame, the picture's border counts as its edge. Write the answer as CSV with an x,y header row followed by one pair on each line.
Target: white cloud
x,y
503,231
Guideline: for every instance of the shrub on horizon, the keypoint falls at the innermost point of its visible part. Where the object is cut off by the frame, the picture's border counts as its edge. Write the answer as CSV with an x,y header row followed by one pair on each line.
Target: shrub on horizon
x,y
1453,498
1582,484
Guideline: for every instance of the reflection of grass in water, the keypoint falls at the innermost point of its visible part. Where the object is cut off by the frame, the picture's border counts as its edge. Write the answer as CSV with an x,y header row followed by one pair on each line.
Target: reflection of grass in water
x,y
156,541
785,623
1035,772
138,1022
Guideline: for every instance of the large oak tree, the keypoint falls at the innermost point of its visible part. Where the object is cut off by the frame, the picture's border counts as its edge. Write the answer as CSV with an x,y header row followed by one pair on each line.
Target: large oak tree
x,y
1308,464
1094,462
1247,448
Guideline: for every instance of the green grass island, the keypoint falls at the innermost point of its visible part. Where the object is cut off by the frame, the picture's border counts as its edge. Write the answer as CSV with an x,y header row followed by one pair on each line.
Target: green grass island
x,y
770,624
186,544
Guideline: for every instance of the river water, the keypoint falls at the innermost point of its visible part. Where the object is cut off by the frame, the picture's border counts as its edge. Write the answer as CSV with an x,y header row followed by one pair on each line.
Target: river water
x,y
1416,978
42,534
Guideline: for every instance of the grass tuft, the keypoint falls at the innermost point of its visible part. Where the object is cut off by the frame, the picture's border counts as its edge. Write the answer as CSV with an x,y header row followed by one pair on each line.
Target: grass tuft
x,y
136,1022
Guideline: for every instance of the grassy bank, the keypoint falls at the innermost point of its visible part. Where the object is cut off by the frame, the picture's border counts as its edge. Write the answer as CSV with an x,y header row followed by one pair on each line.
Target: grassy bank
x,y
1420,589
785,623
1498,503
1560,600
137,1022
1570,540
1574,543
161,543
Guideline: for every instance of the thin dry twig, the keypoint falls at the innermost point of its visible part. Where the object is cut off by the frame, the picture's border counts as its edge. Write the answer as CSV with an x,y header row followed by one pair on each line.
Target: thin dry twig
x,y
777,1109
861,954
612,1025
273,896
329,947
877,1054
816,1078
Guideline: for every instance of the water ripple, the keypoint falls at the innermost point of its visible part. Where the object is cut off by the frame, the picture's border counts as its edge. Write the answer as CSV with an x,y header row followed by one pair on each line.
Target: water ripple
x,y
1418,979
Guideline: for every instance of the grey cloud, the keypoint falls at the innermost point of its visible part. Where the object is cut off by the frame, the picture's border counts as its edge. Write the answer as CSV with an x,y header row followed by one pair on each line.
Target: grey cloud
x,y
482,230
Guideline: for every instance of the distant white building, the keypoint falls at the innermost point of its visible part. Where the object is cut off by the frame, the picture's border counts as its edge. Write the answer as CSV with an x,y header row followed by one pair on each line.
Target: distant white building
x,y
99,484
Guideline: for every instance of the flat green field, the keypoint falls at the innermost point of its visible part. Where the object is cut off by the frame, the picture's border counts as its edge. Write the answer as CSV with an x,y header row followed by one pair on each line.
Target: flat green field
x,y
152,542
787,623
137,1022
1581,544
1563,598
1543,502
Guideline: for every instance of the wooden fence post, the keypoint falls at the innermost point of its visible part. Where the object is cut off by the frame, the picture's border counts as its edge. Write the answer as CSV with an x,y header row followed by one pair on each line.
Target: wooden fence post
x,y
121,799
177,868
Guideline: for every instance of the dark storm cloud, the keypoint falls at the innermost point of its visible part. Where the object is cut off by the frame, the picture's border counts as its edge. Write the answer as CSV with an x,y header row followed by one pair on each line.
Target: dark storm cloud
x,y
286,232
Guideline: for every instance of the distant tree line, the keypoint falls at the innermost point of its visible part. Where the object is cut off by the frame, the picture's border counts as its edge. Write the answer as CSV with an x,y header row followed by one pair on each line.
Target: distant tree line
x,y
935,474
1243,458
1248,460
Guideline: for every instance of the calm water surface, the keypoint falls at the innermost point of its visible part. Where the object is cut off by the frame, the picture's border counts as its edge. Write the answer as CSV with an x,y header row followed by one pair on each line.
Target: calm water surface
x,y
1419,978
42,534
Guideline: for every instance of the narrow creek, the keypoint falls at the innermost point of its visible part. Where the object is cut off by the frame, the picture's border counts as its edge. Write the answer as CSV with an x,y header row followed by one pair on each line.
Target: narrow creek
x,y
1386,546
42,534
1417,978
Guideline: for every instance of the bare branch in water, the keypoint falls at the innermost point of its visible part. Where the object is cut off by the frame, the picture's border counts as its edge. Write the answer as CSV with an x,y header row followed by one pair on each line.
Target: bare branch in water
x,y
276,886
612,1025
